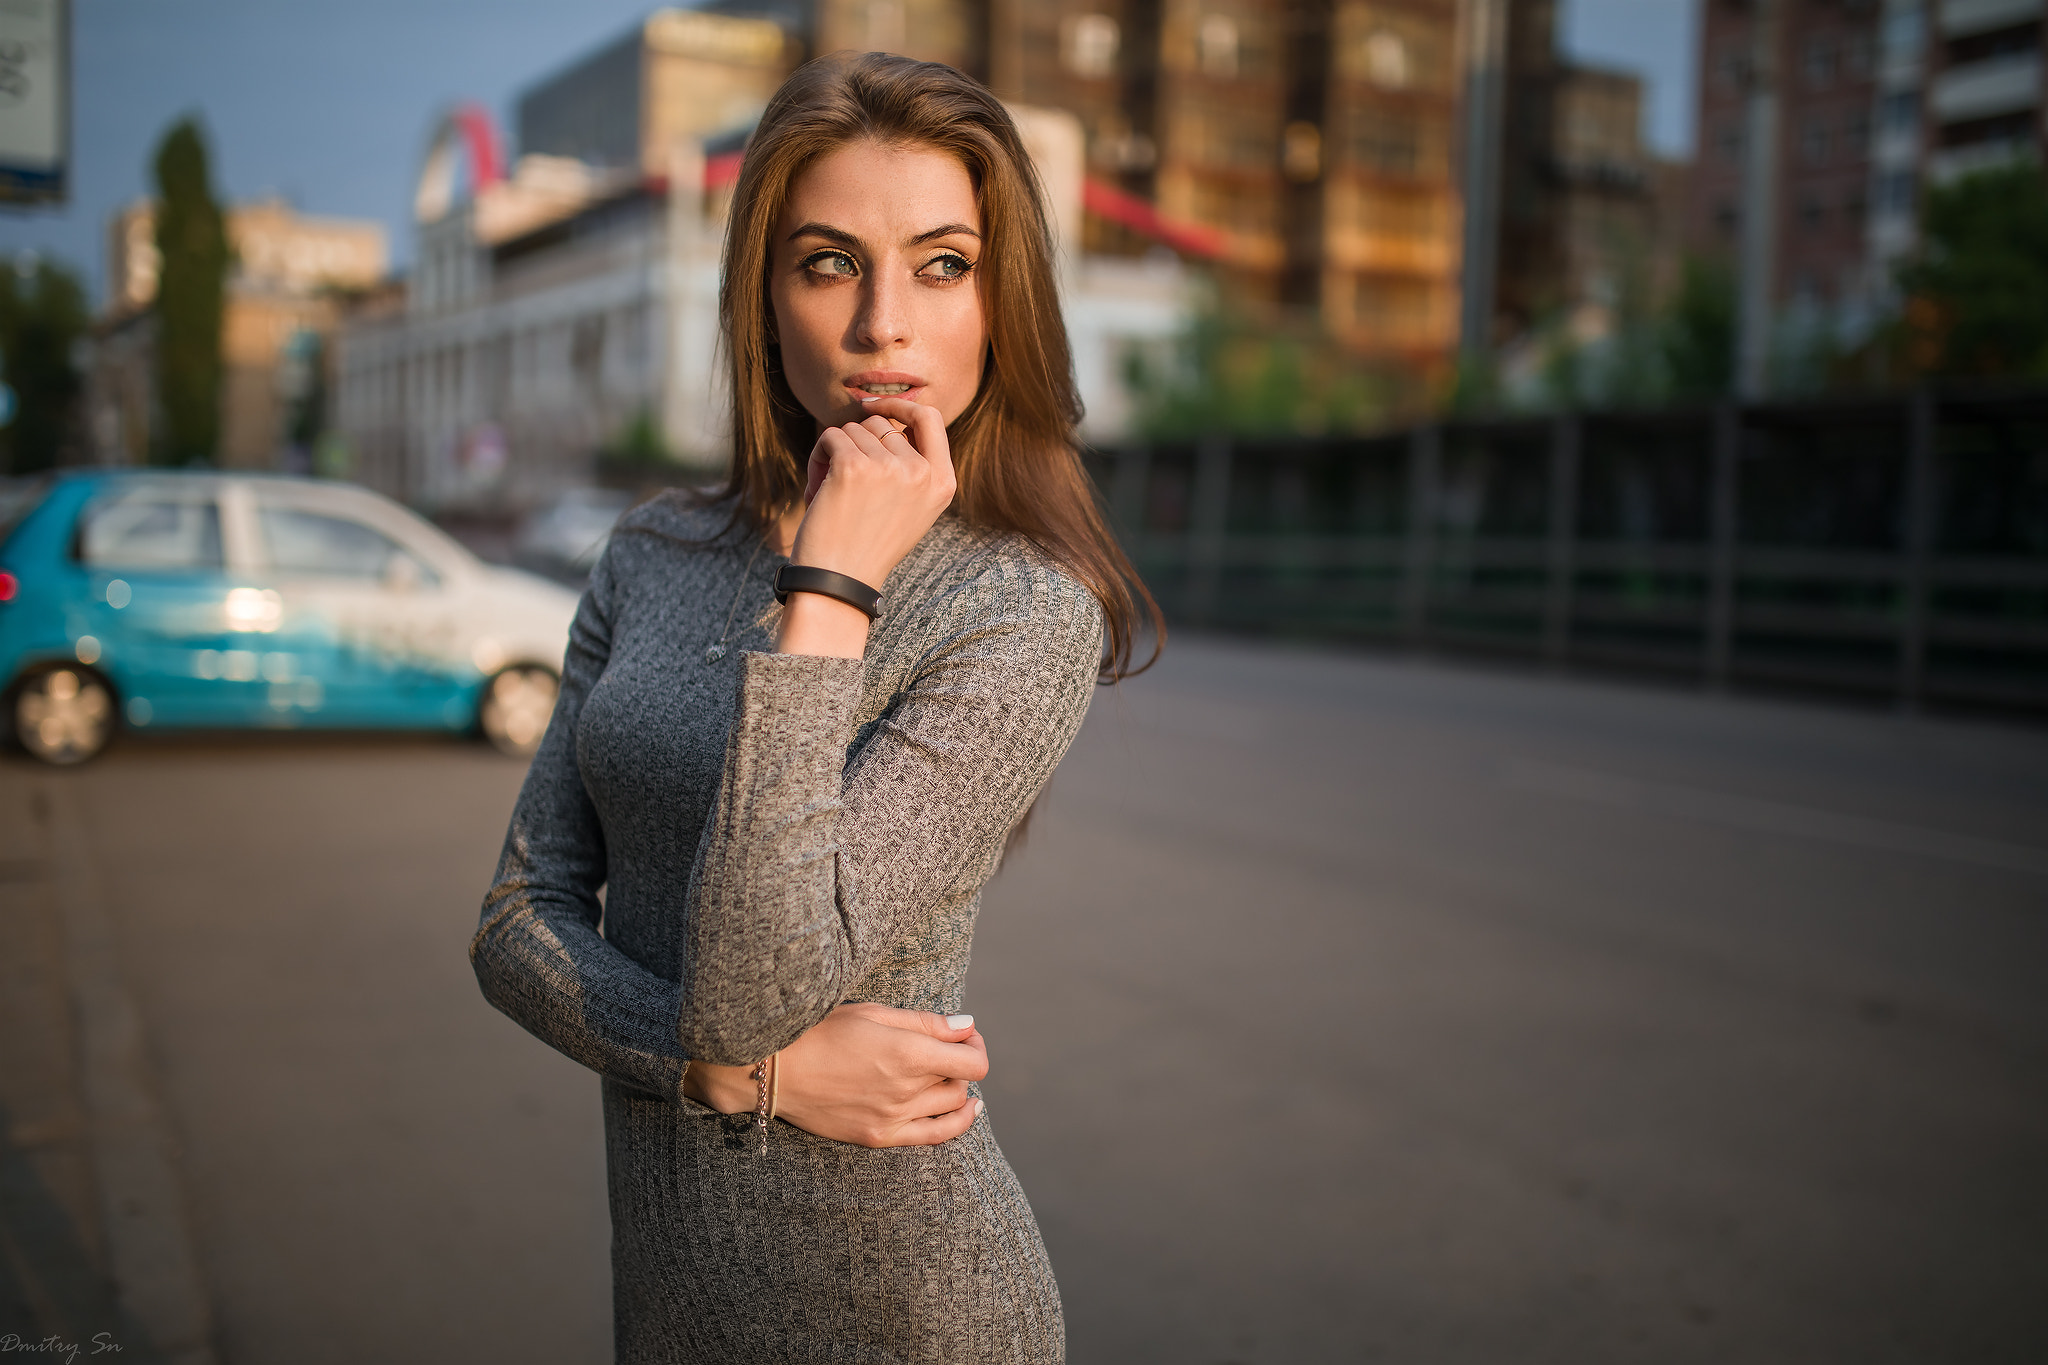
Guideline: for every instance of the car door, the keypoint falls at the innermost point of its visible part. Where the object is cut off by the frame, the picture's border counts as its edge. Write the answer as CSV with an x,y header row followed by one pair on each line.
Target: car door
x,y
365,613
183,645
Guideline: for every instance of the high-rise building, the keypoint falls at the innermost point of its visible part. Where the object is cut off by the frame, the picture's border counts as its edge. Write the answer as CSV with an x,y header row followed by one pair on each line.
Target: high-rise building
x,y
1875,101
1959,88
1822,69
679,76
1984,102
1588,212
1586,218
1305,146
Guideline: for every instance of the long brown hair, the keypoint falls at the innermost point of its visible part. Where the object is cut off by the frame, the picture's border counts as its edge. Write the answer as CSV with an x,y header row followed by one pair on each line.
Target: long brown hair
x,y
1014,448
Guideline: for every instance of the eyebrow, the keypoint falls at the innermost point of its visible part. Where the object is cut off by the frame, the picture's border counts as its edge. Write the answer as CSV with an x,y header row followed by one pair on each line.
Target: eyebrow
x,y
841,237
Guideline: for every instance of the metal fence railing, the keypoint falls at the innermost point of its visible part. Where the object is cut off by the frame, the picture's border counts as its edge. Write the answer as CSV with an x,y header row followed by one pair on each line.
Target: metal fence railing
x,y
1893,548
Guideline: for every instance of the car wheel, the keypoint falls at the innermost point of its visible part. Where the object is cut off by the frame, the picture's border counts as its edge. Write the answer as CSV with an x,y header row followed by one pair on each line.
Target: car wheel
x,y
64,714
516,706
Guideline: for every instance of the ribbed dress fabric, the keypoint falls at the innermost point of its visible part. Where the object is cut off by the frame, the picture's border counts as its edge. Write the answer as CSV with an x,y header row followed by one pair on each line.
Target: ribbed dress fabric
x,y
773,835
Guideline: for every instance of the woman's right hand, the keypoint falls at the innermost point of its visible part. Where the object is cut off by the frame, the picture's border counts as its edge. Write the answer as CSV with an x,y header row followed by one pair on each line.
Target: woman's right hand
x,y
866,1074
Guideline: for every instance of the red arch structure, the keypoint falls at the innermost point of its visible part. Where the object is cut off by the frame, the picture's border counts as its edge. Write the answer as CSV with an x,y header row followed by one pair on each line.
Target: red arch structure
x,y
468,126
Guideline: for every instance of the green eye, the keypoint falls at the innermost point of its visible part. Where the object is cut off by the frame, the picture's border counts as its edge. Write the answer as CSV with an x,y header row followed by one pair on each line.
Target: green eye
x,y
947,267
836,264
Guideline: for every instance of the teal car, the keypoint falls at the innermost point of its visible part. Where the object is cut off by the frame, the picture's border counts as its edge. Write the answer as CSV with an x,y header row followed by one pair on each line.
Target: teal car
x,y
164,601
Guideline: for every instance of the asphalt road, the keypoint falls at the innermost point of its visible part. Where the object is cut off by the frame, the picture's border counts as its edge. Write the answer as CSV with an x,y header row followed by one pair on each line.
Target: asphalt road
x,y
1342,1010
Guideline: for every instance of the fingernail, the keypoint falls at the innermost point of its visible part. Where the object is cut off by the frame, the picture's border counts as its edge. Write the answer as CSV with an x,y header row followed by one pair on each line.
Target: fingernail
x,y
959,1021
870,397
979,1107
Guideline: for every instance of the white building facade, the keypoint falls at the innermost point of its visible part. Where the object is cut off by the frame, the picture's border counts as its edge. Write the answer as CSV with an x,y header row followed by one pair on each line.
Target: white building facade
x,y
570,312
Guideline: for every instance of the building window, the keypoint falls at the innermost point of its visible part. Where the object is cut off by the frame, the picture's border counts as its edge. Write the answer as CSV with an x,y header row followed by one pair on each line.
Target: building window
x,y
1897,192
1905,30
1856,131
1732,66
1857,55
1088,44
1407,217
1216,46
1217,138
1386,60
1222,205
1820,61
1813,215
1388,143
1397,310
1729,139
1726,220
1392,48
1899,112
1813,141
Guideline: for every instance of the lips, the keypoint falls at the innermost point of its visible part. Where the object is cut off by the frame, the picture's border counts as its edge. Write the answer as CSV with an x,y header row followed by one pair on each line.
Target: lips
x,y
884,384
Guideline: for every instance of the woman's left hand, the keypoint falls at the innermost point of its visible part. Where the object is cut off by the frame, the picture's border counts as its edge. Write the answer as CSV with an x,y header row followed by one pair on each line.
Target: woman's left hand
x,y
868,1074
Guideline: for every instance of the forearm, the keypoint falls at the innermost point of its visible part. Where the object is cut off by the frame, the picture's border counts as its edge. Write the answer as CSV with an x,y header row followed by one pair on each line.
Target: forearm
x,y
821,626
550,971
768,955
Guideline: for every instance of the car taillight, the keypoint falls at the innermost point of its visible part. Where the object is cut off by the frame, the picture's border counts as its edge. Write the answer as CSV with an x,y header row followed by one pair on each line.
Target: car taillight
x,y
9,585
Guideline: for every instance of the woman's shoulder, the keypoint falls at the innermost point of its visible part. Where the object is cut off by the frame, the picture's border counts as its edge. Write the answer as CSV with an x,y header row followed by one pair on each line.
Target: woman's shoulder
x,y
972,577
676,524
684,518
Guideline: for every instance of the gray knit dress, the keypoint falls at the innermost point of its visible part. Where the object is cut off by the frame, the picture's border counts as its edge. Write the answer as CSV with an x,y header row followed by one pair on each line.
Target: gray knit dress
x,y
708,856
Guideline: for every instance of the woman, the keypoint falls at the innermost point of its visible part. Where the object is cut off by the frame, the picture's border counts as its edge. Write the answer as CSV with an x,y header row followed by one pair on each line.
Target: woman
x,y
792,810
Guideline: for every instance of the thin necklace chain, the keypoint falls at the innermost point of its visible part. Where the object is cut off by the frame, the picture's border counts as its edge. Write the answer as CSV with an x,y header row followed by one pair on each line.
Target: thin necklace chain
x,y
717,651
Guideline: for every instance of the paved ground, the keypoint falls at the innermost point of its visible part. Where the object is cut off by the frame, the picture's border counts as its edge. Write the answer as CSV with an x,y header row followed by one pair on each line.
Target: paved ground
x,y
1342,1010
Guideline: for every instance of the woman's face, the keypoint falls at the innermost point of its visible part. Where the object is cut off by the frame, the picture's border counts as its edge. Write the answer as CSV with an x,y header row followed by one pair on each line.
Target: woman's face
x,y
872,279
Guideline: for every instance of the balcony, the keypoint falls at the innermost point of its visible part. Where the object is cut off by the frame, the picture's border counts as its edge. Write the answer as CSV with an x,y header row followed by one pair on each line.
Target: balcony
x,y
1965,18
1953,163
2001,85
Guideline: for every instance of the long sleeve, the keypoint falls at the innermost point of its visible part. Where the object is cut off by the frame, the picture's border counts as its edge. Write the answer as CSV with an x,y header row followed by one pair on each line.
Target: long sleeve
x,y
537,952
826,848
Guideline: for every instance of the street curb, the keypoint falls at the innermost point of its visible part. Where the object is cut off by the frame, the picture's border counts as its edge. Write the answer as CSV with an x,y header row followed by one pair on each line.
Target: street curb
x,y
143,1207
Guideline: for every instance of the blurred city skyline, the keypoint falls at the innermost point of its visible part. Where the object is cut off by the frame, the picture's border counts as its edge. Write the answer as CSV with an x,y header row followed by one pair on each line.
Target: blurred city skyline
x,y
329,109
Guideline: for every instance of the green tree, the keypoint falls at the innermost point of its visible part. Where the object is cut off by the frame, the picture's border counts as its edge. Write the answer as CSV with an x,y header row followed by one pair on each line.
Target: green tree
x,y
1977,292
1232,374
640,441
42,318
192,241
1697,332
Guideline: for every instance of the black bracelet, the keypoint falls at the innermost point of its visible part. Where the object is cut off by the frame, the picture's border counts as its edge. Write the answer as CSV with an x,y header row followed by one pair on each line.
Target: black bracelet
x,y
803,578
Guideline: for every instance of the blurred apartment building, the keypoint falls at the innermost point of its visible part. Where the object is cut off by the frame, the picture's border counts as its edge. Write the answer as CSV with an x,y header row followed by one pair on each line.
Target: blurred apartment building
x,y
566,307
1875,100
1308,152
1317,151
1591,219
1306,147
289,282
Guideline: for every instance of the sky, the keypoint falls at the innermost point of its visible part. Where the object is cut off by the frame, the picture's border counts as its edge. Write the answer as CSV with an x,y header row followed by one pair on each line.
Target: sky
x,y
330,105
1654,37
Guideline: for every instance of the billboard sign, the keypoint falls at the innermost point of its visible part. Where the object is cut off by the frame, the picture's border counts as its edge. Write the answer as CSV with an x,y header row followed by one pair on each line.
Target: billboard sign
x,y
35,100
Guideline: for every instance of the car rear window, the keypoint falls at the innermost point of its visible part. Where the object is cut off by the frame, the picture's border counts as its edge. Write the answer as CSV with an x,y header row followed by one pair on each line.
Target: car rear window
x,y
302,541
150,530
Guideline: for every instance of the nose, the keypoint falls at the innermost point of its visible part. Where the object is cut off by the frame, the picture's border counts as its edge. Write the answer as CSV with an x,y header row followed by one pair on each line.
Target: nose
x,y
884,320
